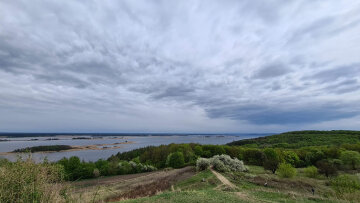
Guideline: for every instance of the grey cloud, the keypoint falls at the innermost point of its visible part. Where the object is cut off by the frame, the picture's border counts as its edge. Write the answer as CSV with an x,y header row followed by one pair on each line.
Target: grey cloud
x,y
63,79
215,59
264,115
330,75
342,87
272,70
174,92
315,29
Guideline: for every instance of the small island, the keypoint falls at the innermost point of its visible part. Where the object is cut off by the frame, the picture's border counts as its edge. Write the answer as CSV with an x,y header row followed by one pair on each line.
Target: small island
x,y
46,148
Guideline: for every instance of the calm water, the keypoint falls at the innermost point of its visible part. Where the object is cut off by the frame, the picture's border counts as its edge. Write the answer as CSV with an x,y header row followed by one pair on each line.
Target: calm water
x,y
93,155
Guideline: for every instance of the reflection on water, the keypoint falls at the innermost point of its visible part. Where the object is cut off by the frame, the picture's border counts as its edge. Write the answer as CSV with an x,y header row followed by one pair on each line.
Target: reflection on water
x,y
93,155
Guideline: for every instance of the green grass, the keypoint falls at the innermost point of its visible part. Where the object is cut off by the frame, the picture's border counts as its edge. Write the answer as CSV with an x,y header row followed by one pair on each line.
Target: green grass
x,y
205,187
273,196
194,189
196,182
206,196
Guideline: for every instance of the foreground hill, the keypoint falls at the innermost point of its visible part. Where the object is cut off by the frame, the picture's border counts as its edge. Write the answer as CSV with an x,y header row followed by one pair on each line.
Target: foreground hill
x,y
214,187
297,139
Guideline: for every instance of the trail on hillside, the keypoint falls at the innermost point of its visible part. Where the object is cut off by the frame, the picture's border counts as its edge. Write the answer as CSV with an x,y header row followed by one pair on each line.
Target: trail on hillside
x,y
224,180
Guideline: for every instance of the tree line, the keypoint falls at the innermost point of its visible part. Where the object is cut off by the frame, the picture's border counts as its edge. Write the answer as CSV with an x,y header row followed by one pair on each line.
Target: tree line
x,y
327,159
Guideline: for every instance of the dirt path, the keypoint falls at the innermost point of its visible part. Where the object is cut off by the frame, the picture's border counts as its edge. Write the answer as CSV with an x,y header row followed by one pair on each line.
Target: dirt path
x,y
227,183
116,188
224,180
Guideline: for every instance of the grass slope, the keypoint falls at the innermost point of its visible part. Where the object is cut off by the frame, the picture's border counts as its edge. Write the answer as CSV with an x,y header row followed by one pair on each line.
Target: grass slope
x,y
194,189
297,139
205,187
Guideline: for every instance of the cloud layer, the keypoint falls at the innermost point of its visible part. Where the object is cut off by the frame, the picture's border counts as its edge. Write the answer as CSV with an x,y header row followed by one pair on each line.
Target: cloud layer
x,y
179,66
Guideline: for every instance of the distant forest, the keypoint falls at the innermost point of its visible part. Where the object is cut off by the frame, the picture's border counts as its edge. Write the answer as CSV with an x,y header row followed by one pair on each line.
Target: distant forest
x,y
297,139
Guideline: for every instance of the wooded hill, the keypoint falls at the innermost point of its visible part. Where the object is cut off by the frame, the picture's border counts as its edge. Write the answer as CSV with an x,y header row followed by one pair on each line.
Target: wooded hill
x,y
298,139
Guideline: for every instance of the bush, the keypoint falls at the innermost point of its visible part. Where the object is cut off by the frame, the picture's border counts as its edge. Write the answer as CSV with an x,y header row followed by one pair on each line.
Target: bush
x,y
286,170
202,164
345,184
96,173
291,158
311,172
175,160
351,158
326,167
124,168
219,165
225,163
27,181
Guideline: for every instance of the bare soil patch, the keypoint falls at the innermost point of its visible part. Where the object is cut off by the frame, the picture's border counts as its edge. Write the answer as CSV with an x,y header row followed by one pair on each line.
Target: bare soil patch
x,y
118,188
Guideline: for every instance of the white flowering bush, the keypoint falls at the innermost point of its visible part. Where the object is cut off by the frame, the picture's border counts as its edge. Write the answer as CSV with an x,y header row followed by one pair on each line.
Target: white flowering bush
x,y
222,163
139,167
202,164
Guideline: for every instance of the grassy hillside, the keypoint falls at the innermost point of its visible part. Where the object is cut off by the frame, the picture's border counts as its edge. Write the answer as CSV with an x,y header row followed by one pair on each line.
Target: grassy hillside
x,y
298,139
249,187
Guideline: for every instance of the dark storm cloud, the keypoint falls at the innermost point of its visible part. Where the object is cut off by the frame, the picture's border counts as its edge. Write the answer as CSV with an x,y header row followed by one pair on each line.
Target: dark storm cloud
x,y
167,66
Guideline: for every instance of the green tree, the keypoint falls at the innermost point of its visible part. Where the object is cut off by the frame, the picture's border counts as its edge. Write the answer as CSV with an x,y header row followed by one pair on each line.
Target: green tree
x,y
291,158
326,167
351,158
254,157
272,160
103,166
198,150
175,160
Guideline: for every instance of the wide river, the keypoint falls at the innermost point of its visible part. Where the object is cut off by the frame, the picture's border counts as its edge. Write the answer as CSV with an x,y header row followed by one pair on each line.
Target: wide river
x,y
93,155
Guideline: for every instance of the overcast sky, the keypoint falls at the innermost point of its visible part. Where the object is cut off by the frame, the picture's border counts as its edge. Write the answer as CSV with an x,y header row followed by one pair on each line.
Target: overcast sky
x,y
179,66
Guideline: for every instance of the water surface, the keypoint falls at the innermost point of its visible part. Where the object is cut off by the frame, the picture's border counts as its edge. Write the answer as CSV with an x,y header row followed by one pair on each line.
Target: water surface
x,y
93,155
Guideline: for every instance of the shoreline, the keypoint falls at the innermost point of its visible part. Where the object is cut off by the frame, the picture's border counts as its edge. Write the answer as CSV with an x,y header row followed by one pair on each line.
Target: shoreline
x,y
78,148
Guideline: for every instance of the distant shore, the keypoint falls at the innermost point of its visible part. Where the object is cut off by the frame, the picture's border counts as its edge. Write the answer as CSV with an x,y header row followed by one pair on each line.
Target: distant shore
x,y
72,148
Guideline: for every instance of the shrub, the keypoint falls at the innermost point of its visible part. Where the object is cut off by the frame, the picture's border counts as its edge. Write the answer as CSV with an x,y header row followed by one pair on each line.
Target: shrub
x,y
175,160
345,184
219,165
202,164
291,158
351,158
311,172
225,163
314,156
96,173
286,170
27,181
124,168
326,167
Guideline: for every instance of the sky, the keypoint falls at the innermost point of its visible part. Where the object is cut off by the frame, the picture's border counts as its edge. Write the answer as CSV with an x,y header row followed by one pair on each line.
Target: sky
x,y
179,66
